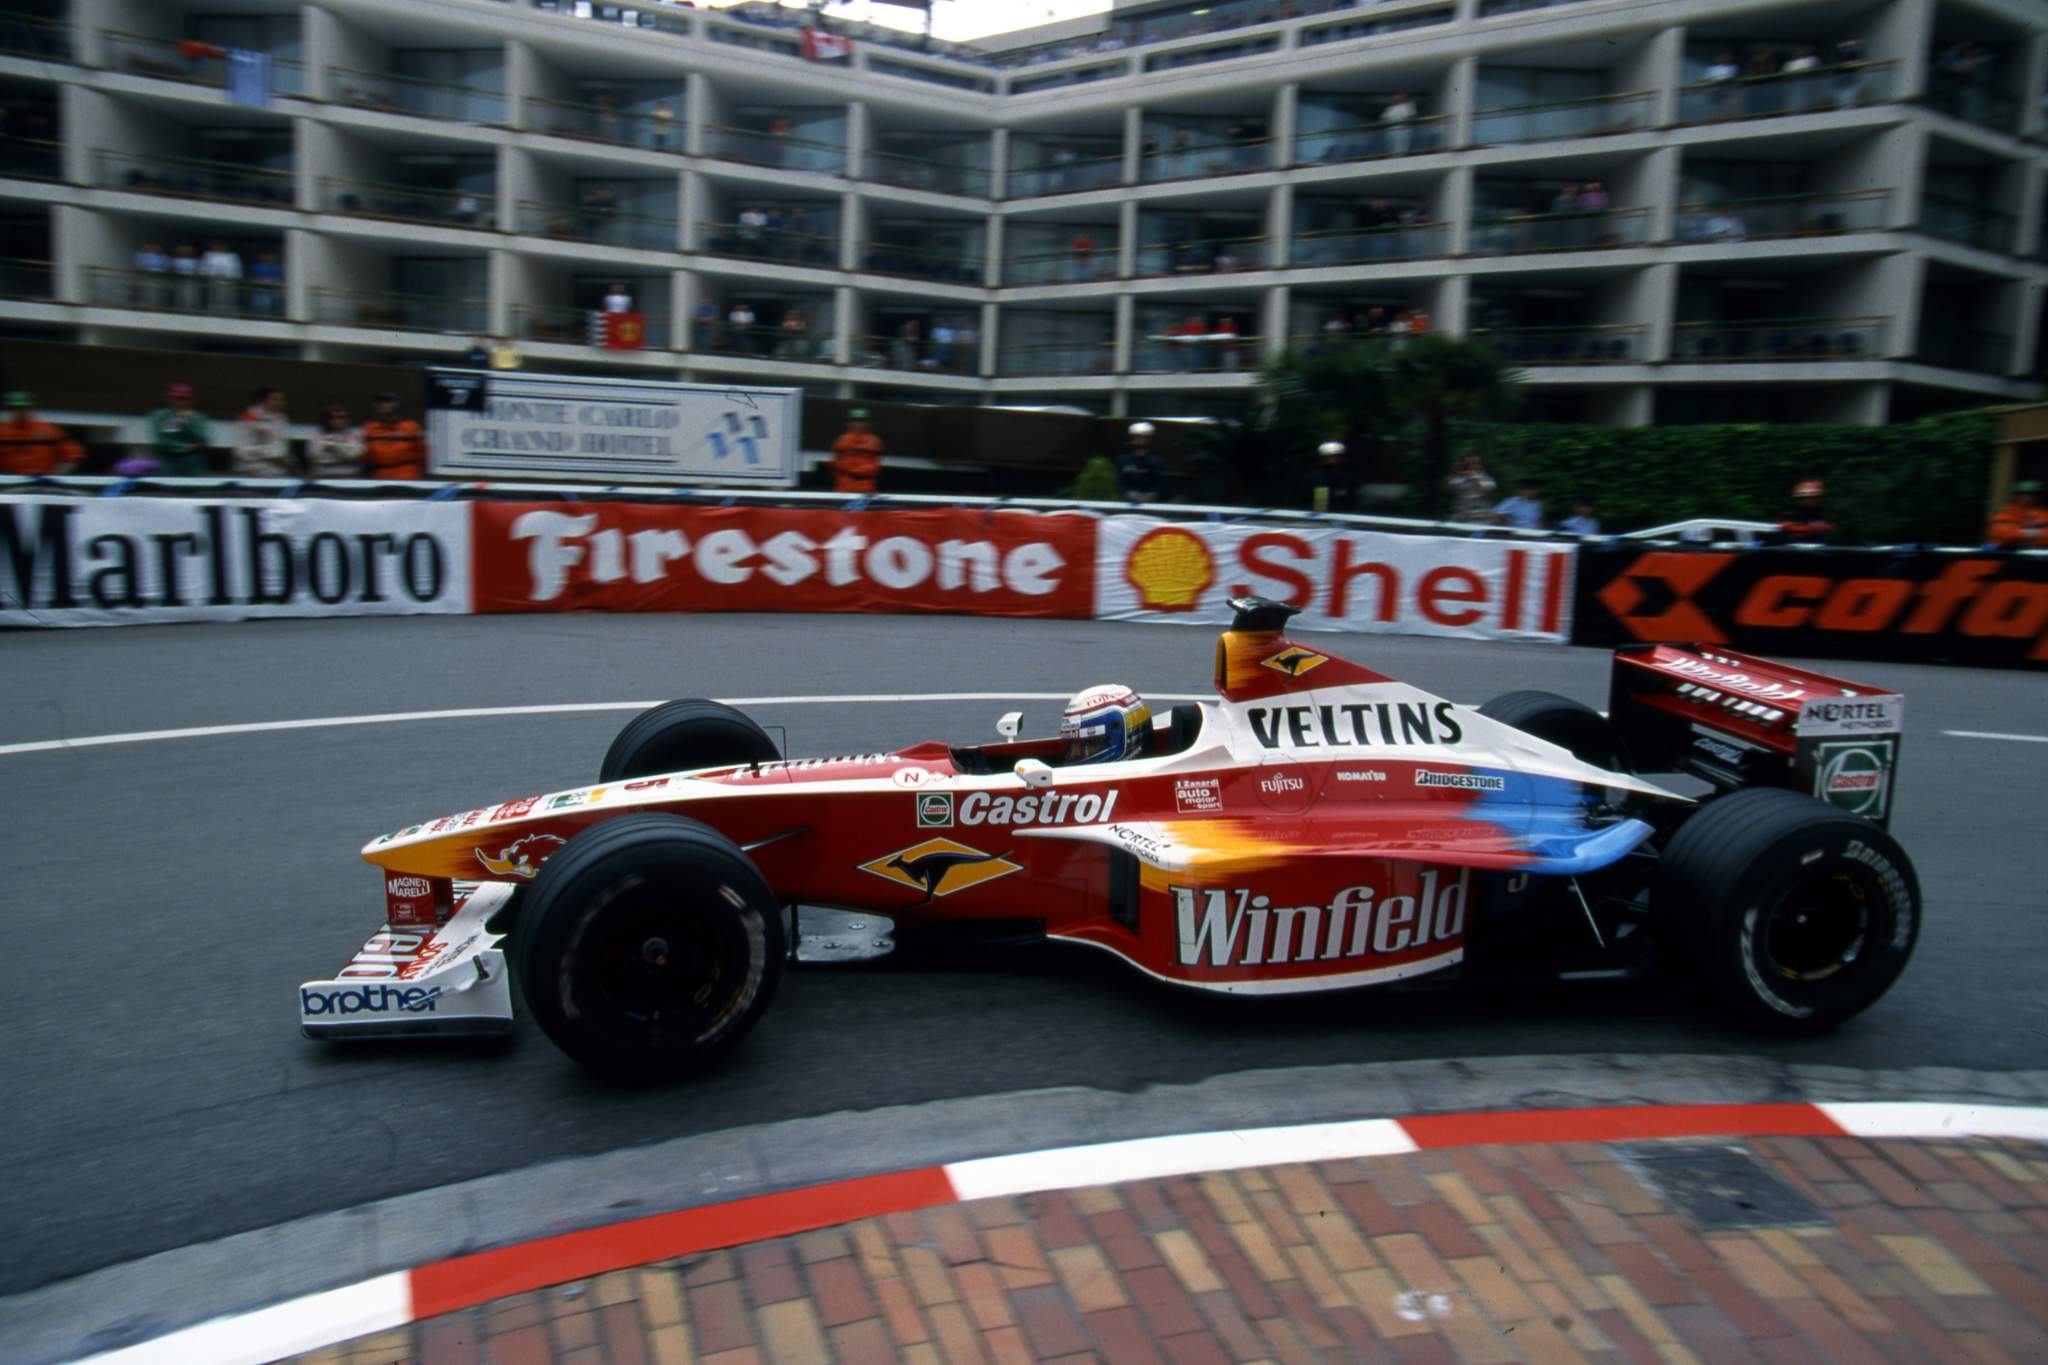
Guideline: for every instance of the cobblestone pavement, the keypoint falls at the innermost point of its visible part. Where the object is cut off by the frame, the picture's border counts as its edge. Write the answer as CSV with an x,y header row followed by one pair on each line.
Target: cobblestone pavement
x,y
1774,1249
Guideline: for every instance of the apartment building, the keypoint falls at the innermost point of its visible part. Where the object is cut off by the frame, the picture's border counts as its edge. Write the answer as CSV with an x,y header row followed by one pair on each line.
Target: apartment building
x,y
1666,210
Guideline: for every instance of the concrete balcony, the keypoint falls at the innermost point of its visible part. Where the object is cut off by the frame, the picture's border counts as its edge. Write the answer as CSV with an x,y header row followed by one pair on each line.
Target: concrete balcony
x,y
1562,119
193,178
1788,92
1837,339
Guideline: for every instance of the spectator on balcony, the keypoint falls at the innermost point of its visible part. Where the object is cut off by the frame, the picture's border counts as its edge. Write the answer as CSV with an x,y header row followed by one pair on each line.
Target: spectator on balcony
x,y
336,450
1581,522
31,446
661,126
1083,247
221,267
1804,91
179,434
2022,524
1419,322
1471,489
779,130
1140,477
1807,523
1398,329
704,326
1187,342
753,224
1398,115
504,355
189,295
856,456
739,328
1593,203
906,348
1524,511
1848,67
941,357
153,289
1765,96
467,210
1063,159
266,285
263,446
619,300
1227,346
1722,73
794,342
394,446
478,356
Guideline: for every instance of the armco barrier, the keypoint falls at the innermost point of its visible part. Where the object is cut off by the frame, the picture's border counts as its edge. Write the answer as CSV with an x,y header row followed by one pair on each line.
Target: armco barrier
x,y
1908,604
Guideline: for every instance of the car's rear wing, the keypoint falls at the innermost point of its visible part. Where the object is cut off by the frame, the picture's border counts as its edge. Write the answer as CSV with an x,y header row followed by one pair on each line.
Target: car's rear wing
x,y
1739,721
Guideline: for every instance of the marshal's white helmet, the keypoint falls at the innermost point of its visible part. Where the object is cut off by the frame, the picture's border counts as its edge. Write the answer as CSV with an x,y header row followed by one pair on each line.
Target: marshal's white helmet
x,y
1105,723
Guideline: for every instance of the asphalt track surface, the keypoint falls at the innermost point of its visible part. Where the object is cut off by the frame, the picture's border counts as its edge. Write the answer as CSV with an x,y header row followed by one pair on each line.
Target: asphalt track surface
x,y
163,900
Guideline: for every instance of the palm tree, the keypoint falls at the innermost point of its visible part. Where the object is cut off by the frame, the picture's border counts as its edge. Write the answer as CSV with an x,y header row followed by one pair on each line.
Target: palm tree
x,y
1345,390
1438,380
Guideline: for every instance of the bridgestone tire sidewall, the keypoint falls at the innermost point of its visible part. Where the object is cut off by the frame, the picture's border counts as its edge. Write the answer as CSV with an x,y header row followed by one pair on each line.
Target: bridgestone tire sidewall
x,y
1730,946
681,861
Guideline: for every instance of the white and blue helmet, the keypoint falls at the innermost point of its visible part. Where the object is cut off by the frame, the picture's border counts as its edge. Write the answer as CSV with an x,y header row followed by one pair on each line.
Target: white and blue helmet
x,y
1104,723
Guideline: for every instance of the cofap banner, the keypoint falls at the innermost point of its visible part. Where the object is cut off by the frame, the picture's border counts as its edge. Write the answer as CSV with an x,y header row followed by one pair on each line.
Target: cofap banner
x,y
1149,570
128,561
653,557
492,424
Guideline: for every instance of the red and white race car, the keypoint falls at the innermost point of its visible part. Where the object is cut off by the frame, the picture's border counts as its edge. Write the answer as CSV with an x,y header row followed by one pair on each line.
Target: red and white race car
x,y
1318,827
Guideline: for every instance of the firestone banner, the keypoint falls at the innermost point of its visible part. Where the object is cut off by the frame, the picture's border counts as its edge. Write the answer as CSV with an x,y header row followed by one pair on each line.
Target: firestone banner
x,y
652,557
1911,605
1368,581
127,561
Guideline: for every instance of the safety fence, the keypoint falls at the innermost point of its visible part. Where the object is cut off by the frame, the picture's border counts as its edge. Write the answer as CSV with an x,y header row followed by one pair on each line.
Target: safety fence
x,y
68,560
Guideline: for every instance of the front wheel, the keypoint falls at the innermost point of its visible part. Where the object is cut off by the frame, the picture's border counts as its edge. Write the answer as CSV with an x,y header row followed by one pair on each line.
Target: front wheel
x,y
1568,724
680,735
648,946
1795,914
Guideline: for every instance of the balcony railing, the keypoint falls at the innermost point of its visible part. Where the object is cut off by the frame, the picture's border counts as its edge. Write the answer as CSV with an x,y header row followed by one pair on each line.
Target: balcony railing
x,y
29,35
26,279
1061,267
1363,246
390,94
920,354
1207,159
578,326
1058,358
1957,348
762,341
1625,113
1194,353
1974,101
1957,220
1568,231
410,203
600,223
191,61
192,178
1590,344
755,147
754,242
166,292
1783,215
920,173
1787,92
1817,339
28,158
600,123
1370,141
948,265
399,312
1215,256
1064,177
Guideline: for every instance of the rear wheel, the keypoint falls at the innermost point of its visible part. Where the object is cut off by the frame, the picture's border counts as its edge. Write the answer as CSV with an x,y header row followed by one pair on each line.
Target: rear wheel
x,y
648,946
680,735
1563,722
1793,913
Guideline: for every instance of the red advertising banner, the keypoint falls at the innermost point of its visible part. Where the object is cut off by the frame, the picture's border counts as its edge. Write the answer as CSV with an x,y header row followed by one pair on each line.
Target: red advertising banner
x,y
653,557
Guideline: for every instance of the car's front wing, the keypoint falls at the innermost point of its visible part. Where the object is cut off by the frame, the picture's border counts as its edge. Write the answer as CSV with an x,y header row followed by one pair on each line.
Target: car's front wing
x,y
408,981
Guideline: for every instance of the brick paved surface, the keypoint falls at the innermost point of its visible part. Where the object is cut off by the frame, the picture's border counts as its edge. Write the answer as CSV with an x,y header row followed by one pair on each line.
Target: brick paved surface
x,y
1918,1251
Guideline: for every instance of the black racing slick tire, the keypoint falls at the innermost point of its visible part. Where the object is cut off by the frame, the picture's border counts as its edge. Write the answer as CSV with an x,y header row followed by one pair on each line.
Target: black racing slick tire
x,y
679,735
648,945
1563,722
1794,914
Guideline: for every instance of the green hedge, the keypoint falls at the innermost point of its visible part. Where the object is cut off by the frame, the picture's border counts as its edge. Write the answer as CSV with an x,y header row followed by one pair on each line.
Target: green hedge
x,y
1925,481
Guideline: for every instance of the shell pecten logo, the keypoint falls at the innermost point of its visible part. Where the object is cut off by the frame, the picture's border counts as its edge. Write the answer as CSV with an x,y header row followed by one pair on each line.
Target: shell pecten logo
x,y
1171,568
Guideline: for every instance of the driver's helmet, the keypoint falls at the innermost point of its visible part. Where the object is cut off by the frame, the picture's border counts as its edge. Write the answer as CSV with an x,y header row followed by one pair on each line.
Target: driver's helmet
x,y
1104,723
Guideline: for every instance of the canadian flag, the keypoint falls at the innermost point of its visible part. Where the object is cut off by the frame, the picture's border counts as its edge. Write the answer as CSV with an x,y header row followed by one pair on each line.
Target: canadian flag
x,y
820,46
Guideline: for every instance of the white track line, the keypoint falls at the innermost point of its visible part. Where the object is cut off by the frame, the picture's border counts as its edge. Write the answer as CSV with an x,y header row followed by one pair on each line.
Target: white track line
x,y
1113,1163
284,1329
470,713
1992,734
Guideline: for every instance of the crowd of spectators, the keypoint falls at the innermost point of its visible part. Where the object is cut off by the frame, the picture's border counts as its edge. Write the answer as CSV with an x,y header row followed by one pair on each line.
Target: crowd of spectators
x,y
1392,325
181,441
1773,79
215,280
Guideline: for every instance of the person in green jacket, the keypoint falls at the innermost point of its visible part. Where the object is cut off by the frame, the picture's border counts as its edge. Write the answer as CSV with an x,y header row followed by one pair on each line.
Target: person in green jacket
x,y
179,433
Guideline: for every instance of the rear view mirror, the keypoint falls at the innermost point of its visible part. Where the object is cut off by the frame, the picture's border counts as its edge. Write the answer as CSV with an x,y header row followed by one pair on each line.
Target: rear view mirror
x,y
1034,772
1011,724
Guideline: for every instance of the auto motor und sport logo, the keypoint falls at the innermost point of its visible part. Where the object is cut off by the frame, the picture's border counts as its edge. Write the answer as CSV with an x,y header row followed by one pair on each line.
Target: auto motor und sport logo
x,y
940,867
1855,775
343,1001
1198,795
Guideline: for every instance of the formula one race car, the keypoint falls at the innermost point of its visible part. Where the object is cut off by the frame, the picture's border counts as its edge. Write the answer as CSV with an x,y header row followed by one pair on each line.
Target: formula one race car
x,y
1317,827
